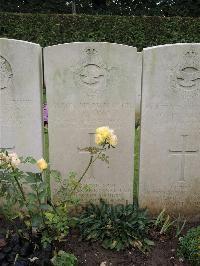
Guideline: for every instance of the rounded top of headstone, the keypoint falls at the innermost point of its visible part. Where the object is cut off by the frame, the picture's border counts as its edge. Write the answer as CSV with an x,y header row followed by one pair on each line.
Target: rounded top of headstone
x,y
90,44
6,41
170,46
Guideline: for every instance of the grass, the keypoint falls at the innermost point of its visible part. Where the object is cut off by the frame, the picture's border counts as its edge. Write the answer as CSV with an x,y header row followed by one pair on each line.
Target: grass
x,y
136,164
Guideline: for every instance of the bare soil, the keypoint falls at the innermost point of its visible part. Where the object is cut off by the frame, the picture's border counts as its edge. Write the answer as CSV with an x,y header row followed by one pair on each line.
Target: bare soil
x,y
92,254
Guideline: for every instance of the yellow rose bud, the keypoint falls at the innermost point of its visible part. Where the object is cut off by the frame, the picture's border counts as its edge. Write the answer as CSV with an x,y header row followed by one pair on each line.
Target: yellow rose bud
x,y
42,164
99,140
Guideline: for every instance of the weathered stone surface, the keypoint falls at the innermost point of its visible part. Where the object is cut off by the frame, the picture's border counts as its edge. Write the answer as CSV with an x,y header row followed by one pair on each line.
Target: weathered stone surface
x,y
20,98
91,85
170,129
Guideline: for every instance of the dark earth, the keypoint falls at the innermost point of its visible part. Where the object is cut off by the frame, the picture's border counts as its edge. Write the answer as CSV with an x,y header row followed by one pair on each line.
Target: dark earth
x,y
90,254
162,254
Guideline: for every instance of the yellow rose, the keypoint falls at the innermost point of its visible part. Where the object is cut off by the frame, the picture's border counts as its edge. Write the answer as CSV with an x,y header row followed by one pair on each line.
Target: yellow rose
x,y
105,135
112,140
99,140
42,164
105,132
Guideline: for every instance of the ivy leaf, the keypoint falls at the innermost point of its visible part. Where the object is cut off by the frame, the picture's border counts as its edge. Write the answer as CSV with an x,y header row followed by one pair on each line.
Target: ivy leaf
x,y
30,178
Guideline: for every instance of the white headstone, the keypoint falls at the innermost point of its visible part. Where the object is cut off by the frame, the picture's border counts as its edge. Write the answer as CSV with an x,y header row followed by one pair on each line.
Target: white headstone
x,y
20,98
170,129
91,85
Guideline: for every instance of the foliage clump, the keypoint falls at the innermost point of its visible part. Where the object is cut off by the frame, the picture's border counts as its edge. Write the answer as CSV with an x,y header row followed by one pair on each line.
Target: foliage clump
x,y
29,196
189,246
63,258
116,227
110,7
140,32
165,224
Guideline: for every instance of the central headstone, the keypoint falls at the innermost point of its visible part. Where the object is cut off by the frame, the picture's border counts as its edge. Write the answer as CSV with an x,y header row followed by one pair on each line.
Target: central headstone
x,y
20,98
91,85
170,129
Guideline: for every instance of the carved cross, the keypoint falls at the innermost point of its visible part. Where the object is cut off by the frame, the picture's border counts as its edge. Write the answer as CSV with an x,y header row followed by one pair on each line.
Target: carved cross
x,y
183,152
91,143
7,148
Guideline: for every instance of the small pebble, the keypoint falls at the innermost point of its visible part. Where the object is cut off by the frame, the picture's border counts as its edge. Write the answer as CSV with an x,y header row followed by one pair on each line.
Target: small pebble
x,y
104,263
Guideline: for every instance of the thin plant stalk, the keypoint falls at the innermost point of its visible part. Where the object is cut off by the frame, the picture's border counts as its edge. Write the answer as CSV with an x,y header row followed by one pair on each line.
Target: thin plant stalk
x,y
39,202
91,161
25,201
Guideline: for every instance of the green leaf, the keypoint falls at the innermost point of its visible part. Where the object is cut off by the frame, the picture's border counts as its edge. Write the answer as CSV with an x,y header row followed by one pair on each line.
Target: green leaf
x,y
32,197
117,227
149,242
30,160
30,178
36,220
45,207
56,175
43,195
33,186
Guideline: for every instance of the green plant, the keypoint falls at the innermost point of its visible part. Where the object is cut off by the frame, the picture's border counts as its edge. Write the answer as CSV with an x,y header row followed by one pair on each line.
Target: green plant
x,y
116,227
189,246
12,182
28,195
140,32
179,225
64,259
164,223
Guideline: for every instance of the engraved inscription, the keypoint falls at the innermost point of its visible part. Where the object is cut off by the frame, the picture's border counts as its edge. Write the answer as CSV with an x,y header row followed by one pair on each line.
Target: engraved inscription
x,y
188,77
185,77
175,199
183,152
109,192
91,74
5,73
